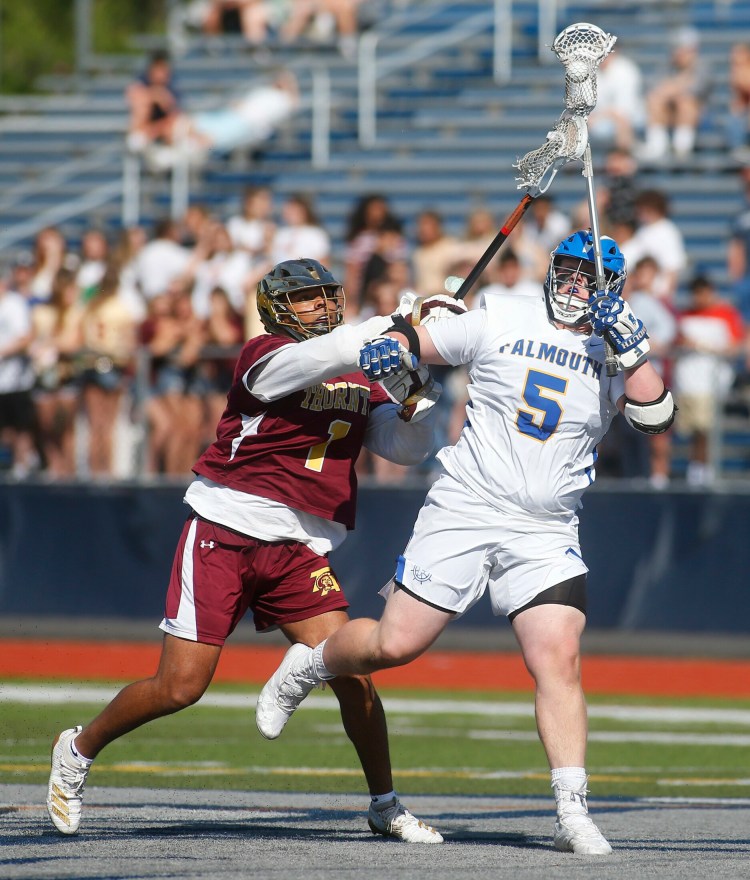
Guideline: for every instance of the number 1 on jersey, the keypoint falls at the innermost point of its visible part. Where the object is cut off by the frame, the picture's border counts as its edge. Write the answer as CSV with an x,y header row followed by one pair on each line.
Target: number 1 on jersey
x,y
337,430
541,423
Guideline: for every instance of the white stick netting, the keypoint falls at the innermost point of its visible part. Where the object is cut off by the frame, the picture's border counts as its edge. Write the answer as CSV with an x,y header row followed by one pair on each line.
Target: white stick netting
x,y
581,48
566,142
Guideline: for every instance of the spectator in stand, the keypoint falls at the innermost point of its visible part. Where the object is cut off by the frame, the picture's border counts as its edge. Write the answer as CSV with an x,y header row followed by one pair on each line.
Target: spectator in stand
x,y
124,256
155,104
479,231
195,220
738,252
434,254
300,232
545,225
658,236
616,194
109,341
675,103
93,262
619,189
710,336
738,121
391,252
174,337
252,18
246,122
17,416
223,330
216,263
252,230
54,351
161,260
367,218
22,274
50,252
620,112
324,19
662,333
505,275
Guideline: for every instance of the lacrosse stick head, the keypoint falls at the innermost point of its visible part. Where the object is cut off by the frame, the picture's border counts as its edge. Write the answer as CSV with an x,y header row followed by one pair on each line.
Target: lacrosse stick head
x,y
581,48
566,142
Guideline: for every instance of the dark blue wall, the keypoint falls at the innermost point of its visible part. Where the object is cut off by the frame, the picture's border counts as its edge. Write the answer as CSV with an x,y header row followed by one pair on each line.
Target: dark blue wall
x,y
672,560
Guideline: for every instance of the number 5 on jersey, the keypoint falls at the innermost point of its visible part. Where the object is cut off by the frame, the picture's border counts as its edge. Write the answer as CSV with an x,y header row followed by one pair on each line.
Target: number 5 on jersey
x,y
538,394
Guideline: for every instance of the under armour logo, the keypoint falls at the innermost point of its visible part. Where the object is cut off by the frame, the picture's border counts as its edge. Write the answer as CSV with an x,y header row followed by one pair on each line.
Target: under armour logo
x,y
209,544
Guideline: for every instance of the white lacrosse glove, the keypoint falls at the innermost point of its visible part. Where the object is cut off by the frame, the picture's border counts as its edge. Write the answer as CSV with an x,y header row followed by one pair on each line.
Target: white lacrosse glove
x,y
613,316
415,390
428,309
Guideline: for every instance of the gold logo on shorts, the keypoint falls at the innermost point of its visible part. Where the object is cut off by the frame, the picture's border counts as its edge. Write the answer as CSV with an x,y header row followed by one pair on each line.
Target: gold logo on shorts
x,y
324,581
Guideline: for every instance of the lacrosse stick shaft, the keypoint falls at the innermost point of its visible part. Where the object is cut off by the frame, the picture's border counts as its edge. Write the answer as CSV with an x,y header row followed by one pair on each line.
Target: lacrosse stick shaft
x,y
588,172
510,224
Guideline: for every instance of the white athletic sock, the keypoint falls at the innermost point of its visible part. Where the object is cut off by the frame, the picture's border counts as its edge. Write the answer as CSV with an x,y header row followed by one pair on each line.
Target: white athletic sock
x,y
683,140
383,801
319,667
569,778
657,141
78,756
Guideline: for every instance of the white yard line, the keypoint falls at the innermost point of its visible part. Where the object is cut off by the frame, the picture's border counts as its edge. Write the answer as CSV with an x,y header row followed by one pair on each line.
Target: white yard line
x,y
64,693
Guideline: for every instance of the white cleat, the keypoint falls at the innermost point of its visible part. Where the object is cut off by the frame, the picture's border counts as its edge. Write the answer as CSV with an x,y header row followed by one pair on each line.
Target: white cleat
x,y
66,783
574,830
398,822
285,690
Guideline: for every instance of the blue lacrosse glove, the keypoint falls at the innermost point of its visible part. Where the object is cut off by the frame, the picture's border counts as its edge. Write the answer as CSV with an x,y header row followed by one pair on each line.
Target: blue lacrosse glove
x,y
384,356
627,335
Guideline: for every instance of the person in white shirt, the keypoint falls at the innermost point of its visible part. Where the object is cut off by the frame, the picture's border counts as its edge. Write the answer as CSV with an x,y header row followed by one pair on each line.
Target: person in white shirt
x,y
248,120
620,111
253,228
161,260
658,236
506,277
502,516
300,232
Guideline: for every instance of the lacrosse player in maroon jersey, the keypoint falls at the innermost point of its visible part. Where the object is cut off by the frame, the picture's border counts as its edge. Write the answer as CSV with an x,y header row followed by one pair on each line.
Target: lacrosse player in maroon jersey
x,y
272,496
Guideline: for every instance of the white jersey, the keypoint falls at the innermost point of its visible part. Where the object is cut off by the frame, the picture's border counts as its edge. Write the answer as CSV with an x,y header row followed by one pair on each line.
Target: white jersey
x,y
539,403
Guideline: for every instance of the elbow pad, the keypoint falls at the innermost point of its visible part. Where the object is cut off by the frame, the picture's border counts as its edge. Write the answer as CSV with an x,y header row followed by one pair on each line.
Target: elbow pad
x,y
651,418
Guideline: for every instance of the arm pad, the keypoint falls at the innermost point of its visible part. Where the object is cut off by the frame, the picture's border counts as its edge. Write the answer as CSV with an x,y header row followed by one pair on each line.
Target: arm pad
x,y
651,418
407,443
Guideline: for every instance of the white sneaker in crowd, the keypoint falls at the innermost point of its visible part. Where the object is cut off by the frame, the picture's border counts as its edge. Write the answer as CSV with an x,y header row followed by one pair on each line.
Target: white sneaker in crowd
x,y
396,821
285,690
574,829
66,783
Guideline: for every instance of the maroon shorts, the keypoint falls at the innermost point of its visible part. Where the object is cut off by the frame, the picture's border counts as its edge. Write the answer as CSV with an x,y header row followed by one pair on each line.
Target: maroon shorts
x,y
217,574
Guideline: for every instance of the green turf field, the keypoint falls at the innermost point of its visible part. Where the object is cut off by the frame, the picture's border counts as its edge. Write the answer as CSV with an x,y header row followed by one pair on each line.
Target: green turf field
x,y
440,742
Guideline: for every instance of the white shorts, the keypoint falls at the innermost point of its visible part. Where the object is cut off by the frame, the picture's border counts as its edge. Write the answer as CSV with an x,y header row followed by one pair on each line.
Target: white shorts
x,y
460,546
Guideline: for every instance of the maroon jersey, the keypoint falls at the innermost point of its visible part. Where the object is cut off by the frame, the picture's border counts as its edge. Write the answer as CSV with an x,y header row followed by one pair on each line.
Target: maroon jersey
x,y
299,450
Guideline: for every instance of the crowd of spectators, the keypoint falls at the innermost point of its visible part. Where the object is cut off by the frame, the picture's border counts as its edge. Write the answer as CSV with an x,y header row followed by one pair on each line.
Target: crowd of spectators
x,y
116,356
288,21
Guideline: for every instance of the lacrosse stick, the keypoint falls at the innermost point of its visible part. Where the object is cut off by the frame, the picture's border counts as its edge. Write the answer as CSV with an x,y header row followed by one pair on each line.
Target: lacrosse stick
x,y
536,170
581,48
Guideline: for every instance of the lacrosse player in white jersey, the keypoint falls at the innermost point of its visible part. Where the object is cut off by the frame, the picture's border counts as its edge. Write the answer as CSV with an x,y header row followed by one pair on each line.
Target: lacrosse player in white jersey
x,y
502,515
